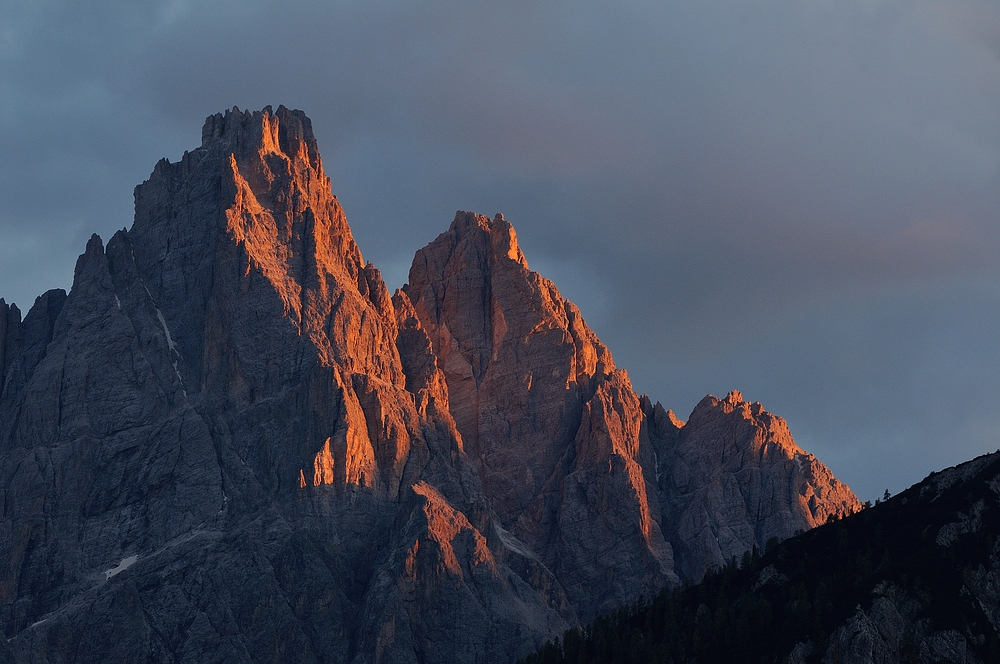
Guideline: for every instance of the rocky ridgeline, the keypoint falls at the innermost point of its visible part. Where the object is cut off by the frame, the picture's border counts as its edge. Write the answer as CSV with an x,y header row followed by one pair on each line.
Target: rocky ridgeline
x,y
230,443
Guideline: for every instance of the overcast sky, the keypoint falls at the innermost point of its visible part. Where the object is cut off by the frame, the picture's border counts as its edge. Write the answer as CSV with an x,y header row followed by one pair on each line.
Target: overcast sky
x,y
794,198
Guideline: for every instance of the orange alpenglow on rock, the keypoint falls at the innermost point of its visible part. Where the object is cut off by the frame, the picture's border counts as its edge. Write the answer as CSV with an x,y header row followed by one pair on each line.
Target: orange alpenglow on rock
x,y
323,465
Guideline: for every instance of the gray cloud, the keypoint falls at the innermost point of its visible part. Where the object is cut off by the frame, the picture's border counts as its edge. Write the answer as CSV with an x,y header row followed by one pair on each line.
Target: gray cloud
x,y
797,199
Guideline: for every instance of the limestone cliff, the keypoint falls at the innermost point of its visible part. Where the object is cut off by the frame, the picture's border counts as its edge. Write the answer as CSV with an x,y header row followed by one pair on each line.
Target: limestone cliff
x,y
732,478
229,443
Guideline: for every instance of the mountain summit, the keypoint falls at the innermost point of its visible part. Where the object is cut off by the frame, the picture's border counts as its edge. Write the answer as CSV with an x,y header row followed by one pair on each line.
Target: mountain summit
x,y
229,442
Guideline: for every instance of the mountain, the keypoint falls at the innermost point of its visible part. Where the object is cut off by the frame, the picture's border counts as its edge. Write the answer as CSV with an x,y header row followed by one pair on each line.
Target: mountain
x,y
229,442
913,579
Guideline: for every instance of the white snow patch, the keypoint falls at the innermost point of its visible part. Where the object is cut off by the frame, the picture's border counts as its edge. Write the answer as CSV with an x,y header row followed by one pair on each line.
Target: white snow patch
x,y
122,566
36,624
170,342
514,544
118,303
171,345
166,332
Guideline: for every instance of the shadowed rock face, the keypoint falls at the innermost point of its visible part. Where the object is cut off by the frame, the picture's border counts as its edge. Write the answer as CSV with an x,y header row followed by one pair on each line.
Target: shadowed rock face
x,y
229,443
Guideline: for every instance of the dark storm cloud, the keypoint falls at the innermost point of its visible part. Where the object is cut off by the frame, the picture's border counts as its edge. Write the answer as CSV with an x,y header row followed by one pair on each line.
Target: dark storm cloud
x,y
797,199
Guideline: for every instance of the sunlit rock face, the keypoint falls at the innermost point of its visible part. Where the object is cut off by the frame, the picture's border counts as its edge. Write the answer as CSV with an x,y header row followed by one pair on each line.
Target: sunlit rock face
x,y
551,426
732,478
230,443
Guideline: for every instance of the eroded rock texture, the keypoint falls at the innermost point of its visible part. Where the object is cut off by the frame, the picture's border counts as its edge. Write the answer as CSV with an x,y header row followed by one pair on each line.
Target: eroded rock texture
x,y
229,443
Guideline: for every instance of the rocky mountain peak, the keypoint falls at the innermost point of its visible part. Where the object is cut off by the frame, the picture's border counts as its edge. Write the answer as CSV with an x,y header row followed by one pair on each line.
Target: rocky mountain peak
x,y
229,398
734,478
732,403
502,238
10,323
251,212
552,427
504,334
286,132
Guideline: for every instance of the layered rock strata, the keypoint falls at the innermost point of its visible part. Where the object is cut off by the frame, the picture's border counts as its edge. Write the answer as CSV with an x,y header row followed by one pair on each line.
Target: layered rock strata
x,y
230,442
